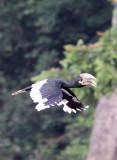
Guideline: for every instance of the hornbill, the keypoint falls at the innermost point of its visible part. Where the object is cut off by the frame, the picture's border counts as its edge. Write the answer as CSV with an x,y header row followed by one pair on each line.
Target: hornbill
x,y
56,92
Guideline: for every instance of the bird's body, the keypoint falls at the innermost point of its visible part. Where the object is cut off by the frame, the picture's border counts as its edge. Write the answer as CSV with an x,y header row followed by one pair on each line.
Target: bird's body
x,y
56,92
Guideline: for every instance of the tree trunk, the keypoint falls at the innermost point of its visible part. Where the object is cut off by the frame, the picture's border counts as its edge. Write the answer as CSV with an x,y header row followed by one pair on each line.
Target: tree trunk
x,y
103,144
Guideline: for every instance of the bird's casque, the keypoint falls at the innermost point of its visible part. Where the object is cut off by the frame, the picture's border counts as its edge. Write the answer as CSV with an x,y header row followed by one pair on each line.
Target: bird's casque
x,y
56,92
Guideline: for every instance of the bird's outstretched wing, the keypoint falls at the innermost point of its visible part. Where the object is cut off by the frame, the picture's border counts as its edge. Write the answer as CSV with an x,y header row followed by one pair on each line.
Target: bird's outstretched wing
x,y
72,103
46,93
50,93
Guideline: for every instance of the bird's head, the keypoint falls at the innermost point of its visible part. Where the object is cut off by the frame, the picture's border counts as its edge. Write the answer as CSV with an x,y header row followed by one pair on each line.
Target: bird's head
x,y
86,79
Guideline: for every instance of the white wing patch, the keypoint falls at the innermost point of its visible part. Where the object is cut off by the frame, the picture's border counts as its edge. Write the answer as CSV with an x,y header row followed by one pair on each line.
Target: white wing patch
x,y
36,95
66,108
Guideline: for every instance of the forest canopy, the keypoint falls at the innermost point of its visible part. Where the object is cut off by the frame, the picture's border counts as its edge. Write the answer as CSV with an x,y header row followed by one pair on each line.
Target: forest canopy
x,y
52,39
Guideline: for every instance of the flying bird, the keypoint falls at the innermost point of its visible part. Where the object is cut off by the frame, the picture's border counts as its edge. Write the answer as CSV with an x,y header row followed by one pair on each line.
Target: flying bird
x,y
56,92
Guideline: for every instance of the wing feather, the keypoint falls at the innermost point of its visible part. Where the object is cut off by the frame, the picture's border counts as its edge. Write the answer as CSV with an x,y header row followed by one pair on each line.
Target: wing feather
x,y
73,104
46,93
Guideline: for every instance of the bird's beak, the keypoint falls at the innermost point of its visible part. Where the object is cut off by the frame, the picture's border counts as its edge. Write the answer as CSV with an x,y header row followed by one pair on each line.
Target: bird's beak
x,y
88,79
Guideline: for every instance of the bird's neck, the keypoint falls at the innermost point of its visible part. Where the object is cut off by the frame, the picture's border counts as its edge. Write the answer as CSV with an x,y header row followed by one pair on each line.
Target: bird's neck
x,y
68,84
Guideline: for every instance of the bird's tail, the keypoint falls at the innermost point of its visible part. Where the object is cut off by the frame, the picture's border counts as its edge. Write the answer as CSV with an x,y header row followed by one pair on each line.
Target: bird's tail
x,y
22,90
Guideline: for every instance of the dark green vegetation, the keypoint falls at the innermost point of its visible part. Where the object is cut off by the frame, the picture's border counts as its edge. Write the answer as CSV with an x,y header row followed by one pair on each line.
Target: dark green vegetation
x,y
32,36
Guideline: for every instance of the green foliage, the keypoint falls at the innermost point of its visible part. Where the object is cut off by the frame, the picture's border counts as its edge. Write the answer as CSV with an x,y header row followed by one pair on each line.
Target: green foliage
x,y
78,134
99,59
106,62
32,36
32,33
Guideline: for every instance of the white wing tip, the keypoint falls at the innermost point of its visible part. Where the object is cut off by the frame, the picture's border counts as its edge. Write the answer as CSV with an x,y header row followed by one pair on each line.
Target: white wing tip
x,y
69,110
86,107
40,107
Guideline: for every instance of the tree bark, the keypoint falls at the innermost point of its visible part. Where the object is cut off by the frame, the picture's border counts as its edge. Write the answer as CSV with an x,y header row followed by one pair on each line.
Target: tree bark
x,y
103,144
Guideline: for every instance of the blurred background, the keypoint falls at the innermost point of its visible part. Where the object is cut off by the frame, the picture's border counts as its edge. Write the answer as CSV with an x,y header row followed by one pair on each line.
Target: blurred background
x,y
53,39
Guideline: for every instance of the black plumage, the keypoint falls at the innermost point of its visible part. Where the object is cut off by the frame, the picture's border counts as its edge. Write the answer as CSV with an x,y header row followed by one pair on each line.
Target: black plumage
x,y
73,101
53,92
